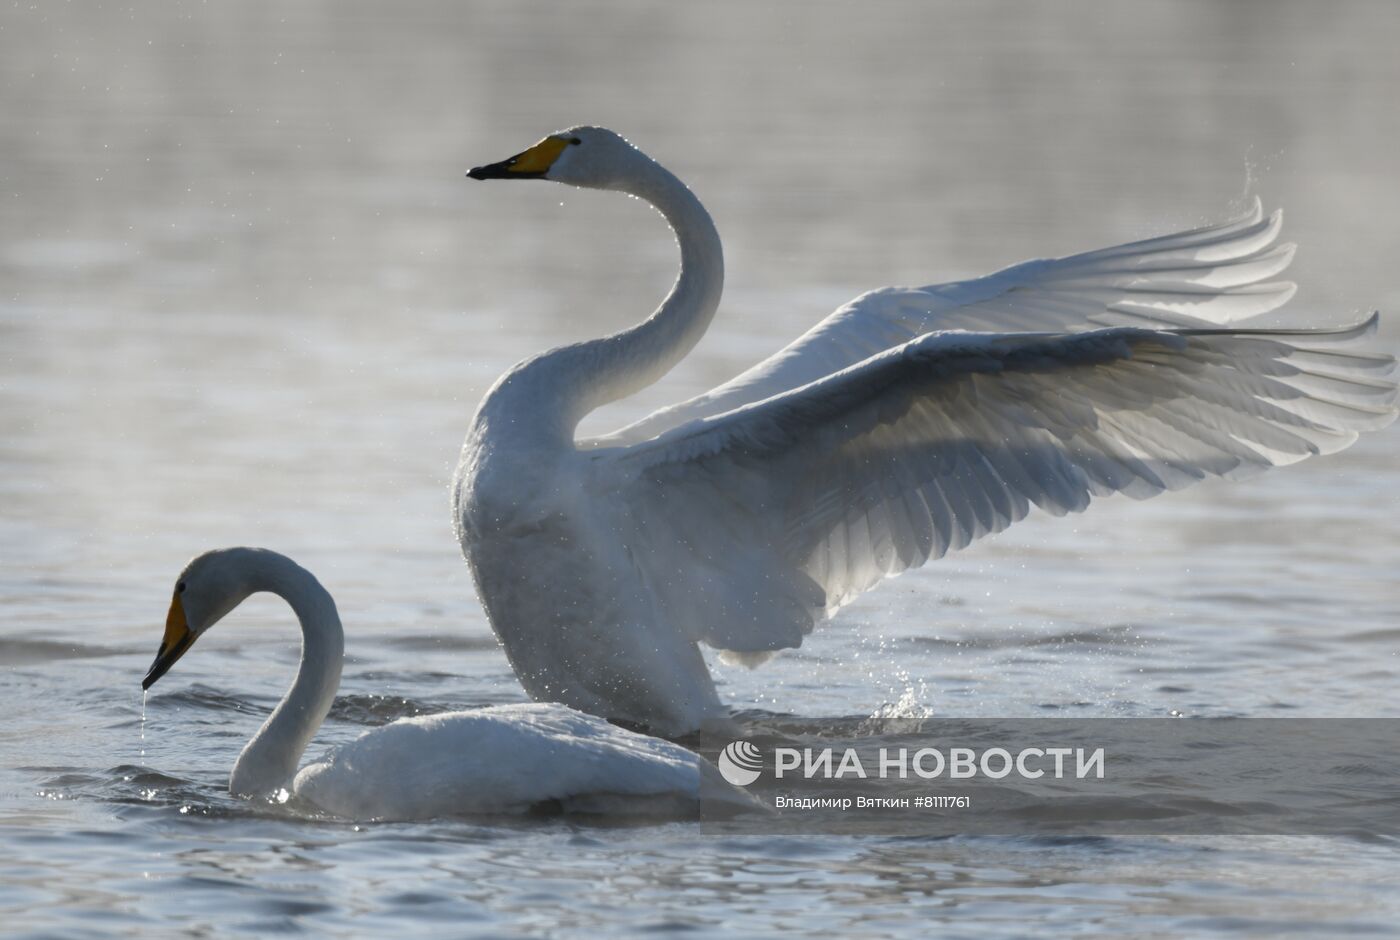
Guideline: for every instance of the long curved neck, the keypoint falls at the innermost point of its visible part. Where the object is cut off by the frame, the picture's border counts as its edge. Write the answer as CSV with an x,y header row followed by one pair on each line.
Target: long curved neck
x,y
269,761
586,375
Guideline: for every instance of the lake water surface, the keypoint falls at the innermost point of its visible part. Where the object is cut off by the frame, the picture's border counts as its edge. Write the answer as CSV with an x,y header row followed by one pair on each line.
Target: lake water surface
x,y
246,297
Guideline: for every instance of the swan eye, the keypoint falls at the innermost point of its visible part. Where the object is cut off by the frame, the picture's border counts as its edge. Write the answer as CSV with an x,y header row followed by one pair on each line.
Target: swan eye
x,y
180,588
575,140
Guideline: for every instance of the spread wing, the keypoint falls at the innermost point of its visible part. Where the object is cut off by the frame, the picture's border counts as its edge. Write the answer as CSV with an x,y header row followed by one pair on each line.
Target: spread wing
x,y
1205,277
752,525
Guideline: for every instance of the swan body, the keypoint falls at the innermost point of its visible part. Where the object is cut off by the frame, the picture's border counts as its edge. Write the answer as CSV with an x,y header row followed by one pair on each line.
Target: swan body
x,y
499,760
909,423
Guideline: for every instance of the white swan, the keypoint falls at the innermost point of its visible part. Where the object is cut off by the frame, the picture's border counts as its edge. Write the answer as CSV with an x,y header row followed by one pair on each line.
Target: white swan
x,y
503,759
882,438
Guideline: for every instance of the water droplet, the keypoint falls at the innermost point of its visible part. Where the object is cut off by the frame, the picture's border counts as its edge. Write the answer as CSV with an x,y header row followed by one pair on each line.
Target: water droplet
x,y
145,693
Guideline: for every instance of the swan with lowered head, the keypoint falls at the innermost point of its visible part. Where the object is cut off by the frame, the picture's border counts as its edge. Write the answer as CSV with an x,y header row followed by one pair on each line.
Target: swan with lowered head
x,y
497,760
885,436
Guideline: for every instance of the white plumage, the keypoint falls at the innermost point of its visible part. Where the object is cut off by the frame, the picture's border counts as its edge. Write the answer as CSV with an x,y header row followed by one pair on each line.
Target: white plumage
x,y
508,759
500,760
884,437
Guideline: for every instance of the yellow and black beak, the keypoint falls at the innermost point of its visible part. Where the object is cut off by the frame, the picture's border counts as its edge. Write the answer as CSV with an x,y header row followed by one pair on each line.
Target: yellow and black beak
x,y
178,638
531,164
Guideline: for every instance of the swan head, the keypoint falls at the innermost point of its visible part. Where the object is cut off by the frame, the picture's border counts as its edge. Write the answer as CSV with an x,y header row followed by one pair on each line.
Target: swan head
x,y
590,157
209,587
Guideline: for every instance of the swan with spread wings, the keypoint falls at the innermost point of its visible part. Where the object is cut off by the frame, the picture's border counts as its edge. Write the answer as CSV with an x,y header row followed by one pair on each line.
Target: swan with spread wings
x,y
907,424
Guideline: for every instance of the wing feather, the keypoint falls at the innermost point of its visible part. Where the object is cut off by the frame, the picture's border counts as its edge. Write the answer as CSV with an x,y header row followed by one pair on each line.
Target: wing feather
x,y
794,505
1214,275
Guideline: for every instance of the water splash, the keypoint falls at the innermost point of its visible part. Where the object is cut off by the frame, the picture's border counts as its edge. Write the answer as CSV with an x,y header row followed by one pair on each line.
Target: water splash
x,y
906,715
145,694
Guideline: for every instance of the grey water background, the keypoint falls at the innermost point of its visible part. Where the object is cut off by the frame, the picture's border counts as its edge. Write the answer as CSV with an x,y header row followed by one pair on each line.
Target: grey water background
x,y
246,296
